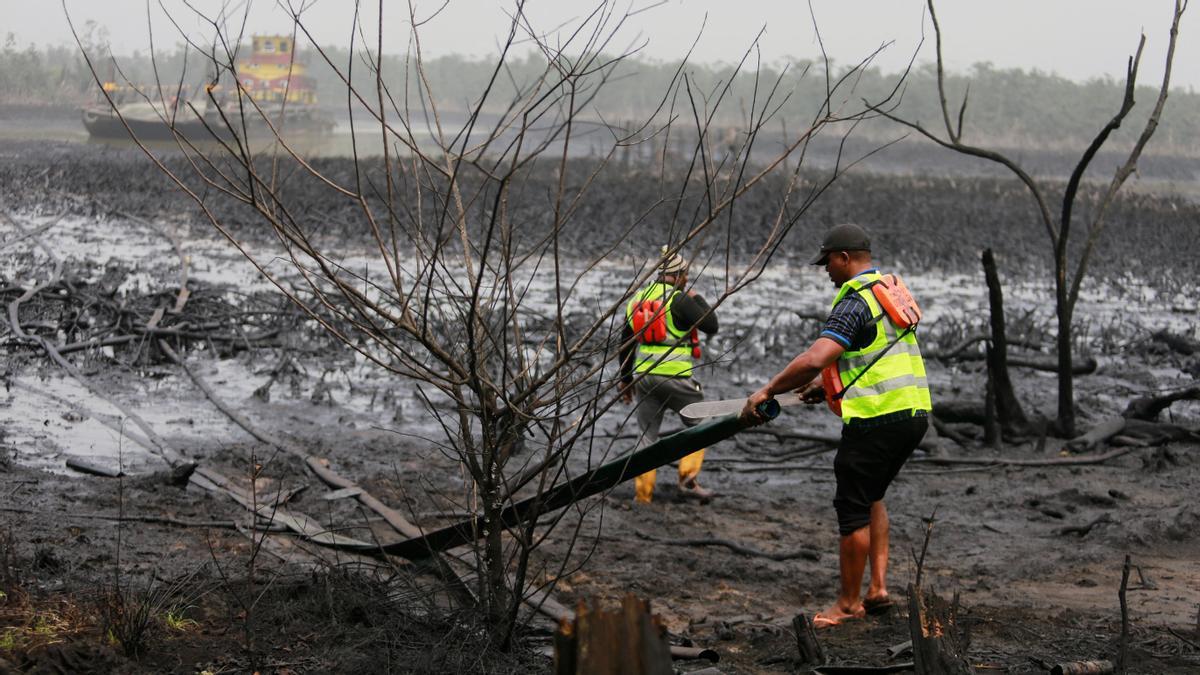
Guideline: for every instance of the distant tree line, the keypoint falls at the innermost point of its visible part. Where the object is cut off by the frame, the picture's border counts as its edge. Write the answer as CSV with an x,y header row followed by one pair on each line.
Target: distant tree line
x,y
1010,107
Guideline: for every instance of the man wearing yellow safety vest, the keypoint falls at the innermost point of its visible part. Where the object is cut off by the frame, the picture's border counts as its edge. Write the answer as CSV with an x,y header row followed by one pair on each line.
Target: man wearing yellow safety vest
x,y
660,344
884,408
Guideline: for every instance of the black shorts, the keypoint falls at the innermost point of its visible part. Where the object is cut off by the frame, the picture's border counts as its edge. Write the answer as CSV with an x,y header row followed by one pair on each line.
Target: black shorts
x,y
868,458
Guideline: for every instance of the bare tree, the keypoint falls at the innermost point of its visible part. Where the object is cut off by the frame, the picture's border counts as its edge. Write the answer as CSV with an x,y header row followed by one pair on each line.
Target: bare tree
x,y
472,282
1070,265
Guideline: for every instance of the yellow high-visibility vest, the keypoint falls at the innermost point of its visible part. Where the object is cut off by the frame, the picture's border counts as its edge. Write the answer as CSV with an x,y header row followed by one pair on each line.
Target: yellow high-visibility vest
x,y
672,358
897,380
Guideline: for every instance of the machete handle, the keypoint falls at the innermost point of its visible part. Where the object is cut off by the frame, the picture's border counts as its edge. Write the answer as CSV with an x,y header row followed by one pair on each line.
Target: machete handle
x,y
768,409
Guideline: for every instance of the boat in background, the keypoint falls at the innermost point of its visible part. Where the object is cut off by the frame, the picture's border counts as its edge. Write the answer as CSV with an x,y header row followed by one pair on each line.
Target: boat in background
x,y
277,88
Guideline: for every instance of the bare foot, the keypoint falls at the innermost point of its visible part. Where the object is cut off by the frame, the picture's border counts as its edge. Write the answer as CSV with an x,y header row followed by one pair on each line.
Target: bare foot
x,y
836,615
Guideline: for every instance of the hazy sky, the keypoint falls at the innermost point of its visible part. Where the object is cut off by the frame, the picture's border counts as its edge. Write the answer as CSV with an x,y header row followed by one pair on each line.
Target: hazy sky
x,y
1079,39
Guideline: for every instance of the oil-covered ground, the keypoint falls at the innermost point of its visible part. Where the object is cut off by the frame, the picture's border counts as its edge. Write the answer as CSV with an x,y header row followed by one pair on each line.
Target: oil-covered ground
x,y
91,566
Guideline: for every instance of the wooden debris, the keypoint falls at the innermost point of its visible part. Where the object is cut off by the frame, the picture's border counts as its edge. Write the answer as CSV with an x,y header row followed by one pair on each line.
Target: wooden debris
x,y
680,653
1083,668
85,466
343,493
1083,530
628,641
1149,407
807,643
1177,343
939,644
898,650
1097,435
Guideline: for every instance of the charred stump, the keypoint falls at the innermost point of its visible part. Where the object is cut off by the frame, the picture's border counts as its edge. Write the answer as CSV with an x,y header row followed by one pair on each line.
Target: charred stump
x,y
809,647
625,641
939,644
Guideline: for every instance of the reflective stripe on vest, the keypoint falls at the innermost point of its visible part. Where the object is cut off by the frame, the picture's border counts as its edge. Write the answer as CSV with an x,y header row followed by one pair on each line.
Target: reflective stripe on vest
x,y
672,358
895,382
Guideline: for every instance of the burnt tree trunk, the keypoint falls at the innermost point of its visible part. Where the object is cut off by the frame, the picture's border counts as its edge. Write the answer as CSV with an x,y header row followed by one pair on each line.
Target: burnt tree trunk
x,y
939,644
1066,377
1008,409
811,652
991,422
627,641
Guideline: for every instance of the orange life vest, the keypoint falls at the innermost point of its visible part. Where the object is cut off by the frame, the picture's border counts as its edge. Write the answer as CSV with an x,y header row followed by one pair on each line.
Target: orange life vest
x,y
650,325
649,321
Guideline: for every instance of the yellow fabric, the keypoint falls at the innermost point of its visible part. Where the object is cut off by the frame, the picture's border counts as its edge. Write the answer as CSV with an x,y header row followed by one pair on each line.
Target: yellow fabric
x,y
689,469
672,358
897,381
643,486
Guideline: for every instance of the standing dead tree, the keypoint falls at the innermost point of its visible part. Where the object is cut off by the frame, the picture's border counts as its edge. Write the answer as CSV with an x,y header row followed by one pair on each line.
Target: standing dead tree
x,y
1070,262
459,269
1003,403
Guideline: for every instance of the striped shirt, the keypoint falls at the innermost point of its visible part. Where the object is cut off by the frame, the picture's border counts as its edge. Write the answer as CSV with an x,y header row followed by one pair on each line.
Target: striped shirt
x,y
849,324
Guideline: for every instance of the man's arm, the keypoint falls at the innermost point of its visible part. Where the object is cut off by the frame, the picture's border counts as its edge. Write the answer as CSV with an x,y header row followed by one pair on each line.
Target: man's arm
x,y
800,372
848,324
690,310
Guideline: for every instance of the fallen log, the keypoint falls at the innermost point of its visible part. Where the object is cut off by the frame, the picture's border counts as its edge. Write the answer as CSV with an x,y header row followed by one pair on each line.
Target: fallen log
x,y
944,429
1157,433
1097,435
1083,668
955,351
346,487
1044,362
317,465
1177,343
971,412
681,653
1149,407
84,466
1133,431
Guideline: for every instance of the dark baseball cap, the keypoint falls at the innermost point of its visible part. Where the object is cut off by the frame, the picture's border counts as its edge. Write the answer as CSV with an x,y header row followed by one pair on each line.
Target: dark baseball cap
x,y
845,237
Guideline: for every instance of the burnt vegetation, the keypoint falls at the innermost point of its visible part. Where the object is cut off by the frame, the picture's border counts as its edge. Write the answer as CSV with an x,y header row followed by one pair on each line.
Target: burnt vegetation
x,y
430,383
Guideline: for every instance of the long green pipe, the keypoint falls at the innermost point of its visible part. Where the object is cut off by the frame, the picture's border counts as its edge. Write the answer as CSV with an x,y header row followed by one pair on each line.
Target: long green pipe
x,y
666,450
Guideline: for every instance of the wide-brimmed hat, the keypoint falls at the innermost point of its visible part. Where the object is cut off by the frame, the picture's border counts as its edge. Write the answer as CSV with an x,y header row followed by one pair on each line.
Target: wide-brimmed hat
x,y
845,237
673,263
